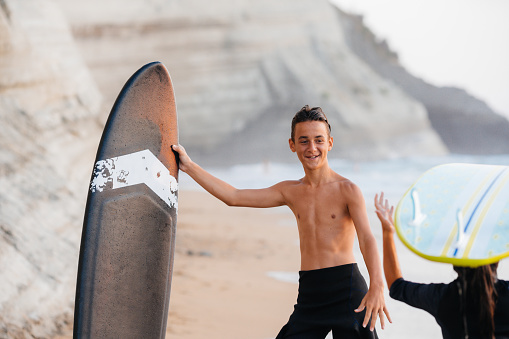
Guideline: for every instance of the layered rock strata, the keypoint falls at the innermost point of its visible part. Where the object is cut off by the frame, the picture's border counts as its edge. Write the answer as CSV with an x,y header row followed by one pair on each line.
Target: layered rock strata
x,y
242,69
48,108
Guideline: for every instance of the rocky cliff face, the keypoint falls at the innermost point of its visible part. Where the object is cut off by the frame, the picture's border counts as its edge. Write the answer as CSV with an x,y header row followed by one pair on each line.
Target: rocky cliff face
x,y
48,104
242,69
465,124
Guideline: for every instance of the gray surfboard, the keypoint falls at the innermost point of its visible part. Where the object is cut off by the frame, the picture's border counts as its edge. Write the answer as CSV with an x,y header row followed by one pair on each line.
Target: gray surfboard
x,y
128,238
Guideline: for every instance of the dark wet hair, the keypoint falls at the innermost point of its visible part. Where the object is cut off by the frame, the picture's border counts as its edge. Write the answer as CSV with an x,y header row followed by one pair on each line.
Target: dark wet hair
x,y
477,285
309,114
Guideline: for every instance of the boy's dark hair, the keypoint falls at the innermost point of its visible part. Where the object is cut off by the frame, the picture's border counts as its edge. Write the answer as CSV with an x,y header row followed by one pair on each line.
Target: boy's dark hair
x,y
309,114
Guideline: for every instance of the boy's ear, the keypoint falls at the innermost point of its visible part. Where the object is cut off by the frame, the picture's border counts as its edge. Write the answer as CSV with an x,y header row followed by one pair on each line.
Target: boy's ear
x,y
292,144
331,142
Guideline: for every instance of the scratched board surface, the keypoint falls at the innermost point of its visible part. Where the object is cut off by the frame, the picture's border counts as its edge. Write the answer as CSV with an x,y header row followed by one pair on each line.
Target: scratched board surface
x,y
458,214
128,237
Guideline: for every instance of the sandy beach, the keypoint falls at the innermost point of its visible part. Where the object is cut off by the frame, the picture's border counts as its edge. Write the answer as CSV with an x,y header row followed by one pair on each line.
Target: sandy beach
x,y
225,263
235,274
220,285
226,267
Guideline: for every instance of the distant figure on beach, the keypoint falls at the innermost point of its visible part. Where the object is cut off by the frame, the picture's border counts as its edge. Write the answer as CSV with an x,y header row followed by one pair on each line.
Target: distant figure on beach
x,y
475,305
330,210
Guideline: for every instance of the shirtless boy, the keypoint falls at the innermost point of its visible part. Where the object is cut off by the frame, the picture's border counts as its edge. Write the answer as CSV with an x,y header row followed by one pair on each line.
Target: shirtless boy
x,y
329,210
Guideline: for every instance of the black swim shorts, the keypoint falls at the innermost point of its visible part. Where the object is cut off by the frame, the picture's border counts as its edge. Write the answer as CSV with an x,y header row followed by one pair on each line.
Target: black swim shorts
x,y
326,302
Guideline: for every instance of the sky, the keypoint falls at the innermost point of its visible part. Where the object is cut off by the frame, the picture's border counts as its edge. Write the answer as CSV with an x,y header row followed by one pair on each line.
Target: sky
x,y
461,43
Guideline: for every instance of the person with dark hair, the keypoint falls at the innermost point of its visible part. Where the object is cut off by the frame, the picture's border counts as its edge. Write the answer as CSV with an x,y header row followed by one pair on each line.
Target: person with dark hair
x,y
475,305
309,114
330,211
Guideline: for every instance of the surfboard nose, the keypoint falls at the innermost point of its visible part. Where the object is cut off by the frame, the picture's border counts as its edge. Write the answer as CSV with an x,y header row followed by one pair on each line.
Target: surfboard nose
x,y
144,116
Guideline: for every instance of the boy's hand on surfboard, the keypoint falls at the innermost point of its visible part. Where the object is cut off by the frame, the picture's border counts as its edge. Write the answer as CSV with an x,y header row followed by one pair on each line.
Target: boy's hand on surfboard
x,y
384,212
184,159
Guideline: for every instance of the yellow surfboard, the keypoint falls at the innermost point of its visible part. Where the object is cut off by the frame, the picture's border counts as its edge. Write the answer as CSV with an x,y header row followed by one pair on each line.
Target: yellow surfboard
x,y
457,214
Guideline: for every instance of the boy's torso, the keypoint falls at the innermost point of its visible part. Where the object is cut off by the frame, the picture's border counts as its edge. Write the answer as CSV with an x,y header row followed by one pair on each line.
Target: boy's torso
x,y
325,226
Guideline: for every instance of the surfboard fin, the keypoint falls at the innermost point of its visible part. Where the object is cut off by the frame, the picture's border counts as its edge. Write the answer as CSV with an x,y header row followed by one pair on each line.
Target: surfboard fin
x,y
418,216
462,237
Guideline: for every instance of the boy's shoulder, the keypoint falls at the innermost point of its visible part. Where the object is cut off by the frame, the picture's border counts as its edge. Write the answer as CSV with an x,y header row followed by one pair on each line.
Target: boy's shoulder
x,y
346,187
342,182
288,183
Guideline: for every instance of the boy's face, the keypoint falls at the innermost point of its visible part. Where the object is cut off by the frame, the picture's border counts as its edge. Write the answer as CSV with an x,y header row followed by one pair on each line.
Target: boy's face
x,y
312,143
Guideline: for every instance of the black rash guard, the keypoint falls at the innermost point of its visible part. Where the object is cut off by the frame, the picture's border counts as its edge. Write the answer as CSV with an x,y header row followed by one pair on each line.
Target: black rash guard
x,y
442,301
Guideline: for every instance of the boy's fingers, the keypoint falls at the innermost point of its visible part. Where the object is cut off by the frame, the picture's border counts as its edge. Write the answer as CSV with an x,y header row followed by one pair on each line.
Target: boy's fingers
x,y
374,317
366,317
386,311
361,307
382,319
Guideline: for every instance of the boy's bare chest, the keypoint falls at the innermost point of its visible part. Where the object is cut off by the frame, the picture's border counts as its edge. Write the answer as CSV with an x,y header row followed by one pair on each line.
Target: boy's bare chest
x,y
322,208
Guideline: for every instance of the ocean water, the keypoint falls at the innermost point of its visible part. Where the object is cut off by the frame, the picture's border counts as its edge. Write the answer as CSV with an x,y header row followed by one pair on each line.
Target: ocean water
x,y
392,176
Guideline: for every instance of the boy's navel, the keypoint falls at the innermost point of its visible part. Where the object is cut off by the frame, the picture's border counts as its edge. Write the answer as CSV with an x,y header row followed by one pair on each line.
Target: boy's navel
x,y
333,216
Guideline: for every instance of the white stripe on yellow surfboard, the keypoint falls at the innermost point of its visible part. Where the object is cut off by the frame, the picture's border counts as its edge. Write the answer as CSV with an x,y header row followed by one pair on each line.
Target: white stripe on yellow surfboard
x,y
454,230
483,215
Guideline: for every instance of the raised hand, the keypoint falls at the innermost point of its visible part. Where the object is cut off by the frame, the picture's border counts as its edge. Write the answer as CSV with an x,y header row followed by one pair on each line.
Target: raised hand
x,y
384,212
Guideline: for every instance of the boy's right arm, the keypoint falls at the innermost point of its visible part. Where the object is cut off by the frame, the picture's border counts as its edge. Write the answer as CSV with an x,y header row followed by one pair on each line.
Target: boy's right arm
x,y
266,197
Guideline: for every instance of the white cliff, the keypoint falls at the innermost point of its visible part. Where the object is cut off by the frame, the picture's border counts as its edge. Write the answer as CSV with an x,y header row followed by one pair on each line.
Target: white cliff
x,y
48,108
241,69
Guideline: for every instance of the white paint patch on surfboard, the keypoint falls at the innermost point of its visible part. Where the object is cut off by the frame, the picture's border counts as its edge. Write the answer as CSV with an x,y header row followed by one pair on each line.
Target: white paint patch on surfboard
x,y
141,167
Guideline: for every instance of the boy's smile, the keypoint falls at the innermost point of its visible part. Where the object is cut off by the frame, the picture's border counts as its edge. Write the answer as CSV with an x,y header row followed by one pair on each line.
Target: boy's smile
x,y
312,143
